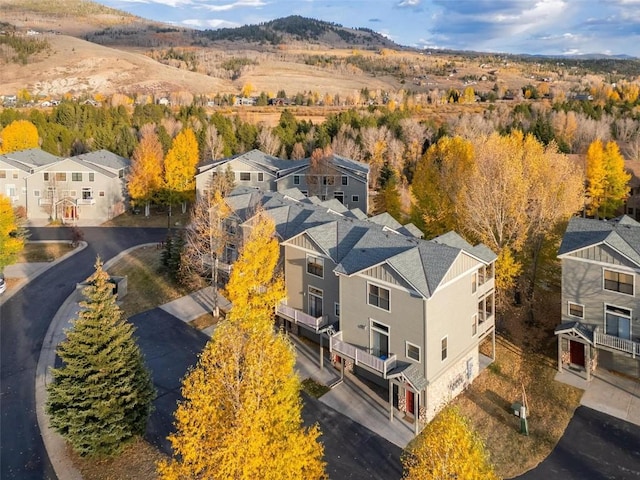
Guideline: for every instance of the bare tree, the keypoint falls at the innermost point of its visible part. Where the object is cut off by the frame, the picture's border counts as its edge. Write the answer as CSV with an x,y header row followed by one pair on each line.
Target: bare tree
x,y
268,142
344,143
215,144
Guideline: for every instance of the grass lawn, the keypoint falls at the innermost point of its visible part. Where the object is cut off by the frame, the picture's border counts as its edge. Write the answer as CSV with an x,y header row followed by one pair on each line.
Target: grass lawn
x,y
43,252
158,218
148,285
314,388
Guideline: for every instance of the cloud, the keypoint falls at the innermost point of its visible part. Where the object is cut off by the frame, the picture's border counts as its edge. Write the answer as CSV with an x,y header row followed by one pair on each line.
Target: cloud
x,y
376,20
237,4
408,3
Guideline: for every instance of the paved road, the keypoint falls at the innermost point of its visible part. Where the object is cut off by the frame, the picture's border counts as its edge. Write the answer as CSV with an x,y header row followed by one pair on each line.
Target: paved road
x,y
595,446
171,347
24,320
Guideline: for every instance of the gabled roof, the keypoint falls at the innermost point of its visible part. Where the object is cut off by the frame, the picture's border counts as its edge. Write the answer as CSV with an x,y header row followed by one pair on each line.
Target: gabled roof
x,y
356,245
621,234
411,230
386,220
31,158
257,159
105,159
584,330
480,251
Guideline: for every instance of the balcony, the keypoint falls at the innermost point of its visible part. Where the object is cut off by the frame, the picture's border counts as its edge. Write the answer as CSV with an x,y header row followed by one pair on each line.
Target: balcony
x,y
86,201
301,318
486,321
223,267
380,365
616,343
45,201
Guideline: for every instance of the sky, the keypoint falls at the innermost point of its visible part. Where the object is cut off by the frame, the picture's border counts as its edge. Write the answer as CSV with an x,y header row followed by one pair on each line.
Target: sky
x,y
548,27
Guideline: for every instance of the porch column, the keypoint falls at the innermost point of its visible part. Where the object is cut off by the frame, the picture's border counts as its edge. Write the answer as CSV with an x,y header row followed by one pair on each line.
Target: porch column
x,y
416,414
560,353
391,400
321,356
341,367
587,360
493,344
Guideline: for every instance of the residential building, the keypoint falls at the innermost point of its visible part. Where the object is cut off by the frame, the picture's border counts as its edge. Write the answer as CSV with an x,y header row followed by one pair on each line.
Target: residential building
x,y
89,187
334,177
402,312
600,296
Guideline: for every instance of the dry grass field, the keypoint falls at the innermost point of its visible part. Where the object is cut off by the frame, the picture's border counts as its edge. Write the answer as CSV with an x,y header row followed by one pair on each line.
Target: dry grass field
x,y
43,252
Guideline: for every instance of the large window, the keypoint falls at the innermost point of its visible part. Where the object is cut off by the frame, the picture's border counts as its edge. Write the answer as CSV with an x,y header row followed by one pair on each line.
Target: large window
x,y
61,176
618,282
245,176
443,348
76,176
87,193
378,297
379,339
412,351
617,321
315,266
315,302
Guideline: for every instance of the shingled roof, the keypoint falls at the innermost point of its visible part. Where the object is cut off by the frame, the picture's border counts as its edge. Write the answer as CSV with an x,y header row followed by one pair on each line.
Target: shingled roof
x,y
356,245
622,234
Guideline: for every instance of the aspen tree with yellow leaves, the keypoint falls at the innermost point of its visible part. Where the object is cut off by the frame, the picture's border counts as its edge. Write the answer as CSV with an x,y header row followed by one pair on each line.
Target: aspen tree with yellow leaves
x,y
19,135
448,448
607,180
241,414
11,237
145,180
180,169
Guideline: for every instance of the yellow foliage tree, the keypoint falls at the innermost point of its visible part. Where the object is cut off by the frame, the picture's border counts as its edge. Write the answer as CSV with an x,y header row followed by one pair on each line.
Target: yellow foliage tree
x,y
607,180
253,289
180,168
11,241
247,90
448,448
145,178
19,135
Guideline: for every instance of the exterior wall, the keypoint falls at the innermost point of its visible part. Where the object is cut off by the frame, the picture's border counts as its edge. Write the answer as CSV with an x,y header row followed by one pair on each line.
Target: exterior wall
x,y
298,280
107,192
268,184
355,186
582,283
452,382
454,323
13,185
405,318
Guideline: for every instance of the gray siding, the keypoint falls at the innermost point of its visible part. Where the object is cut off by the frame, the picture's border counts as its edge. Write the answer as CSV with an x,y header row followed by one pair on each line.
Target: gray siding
x,y
462,264
602,253
238,166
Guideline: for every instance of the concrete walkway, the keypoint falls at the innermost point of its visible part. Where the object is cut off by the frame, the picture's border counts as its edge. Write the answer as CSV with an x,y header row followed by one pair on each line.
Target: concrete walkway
x,y
608,393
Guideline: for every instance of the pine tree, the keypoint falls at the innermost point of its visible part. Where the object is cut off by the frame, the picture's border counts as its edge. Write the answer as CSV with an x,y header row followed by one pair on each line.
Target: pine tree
x,y
447,448
241,414
101,398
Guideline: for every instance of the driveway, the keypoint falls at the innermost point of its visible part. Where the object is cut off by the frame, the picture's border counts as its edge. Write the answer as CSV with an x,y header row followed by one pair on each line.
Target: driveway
x,y
594,446
171,347
24,319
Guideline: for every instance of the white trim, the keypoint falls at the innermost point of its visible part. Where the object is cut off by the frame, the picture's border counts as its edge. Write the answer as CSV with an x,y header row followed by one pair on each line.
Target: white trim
x,y
373,328
306,263
375,306
320,251
446,337
630,317
369,278
569,303
406,351
336,309
474,317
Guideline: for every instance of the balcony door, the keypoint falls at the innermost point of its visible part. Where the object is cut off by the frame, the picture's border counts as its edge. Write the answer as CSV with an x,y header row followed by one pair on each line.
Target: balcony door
x,y
379,339
315,302
618,322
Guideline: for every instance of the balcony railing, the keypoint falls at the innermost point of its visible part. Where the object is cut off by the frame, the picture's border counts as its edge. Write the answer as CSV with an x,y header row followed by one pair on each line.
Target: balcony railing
x,y
301,318
617,343
361,357
45,201
85,201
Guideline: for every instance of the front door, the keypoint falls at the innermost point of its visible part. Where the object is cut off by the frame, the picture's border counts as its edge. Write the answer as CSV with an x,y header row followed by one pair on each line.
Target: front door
x,y
576,350
410,402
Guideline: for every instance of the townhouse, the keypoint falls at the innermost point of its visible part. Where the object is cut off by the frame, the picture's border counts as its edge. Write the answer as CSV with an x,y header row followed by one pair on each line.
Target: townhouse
x,y
402,312
600,323
90,186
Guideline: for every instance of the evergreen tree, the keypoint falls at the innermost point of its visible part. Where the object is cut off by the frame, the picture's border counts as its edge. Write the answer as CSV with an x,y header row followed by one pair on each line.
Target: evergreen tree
x,y
388,197
101,398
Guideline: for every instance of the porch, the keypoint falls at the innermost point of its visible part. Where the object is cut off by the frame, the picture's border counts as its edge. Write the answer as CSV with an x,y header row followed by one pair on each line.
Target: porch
x,y
380,365
616,344
317,324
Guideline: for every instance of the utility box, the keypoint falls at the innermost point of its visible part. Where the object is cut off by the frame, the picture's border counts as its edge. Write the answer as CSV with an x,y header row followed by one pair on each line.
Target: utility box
x,y
515,408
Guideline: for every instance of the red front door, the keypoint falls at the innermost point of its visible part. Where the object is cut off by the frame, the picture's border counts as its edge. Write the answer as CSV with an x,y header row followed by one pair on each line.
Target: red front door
x,y
576,350
410,406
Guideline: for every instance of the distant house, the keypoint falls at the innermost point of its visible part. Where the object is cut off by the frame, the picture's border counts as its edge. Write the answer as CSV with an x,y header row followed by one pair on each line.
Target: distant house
x,y
404,313
600,296
88,187
336,177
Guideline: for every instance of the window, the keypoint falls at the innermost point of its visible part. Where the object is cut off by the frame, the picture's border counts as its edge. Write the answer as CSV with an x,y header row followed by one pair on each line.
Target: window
x,y
469,368
3,174
296,179
412,351
76,177
36,193
379,339
101,193
474,325
328,180
617,321
92,176
245,176
87,194
46,176
345,180
73,193
443,348
474,282
337,309
339,196
315,302
15,175
379,297
61,176
315,266
231,253
576,310
355,198
485,307
618,282
260,177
